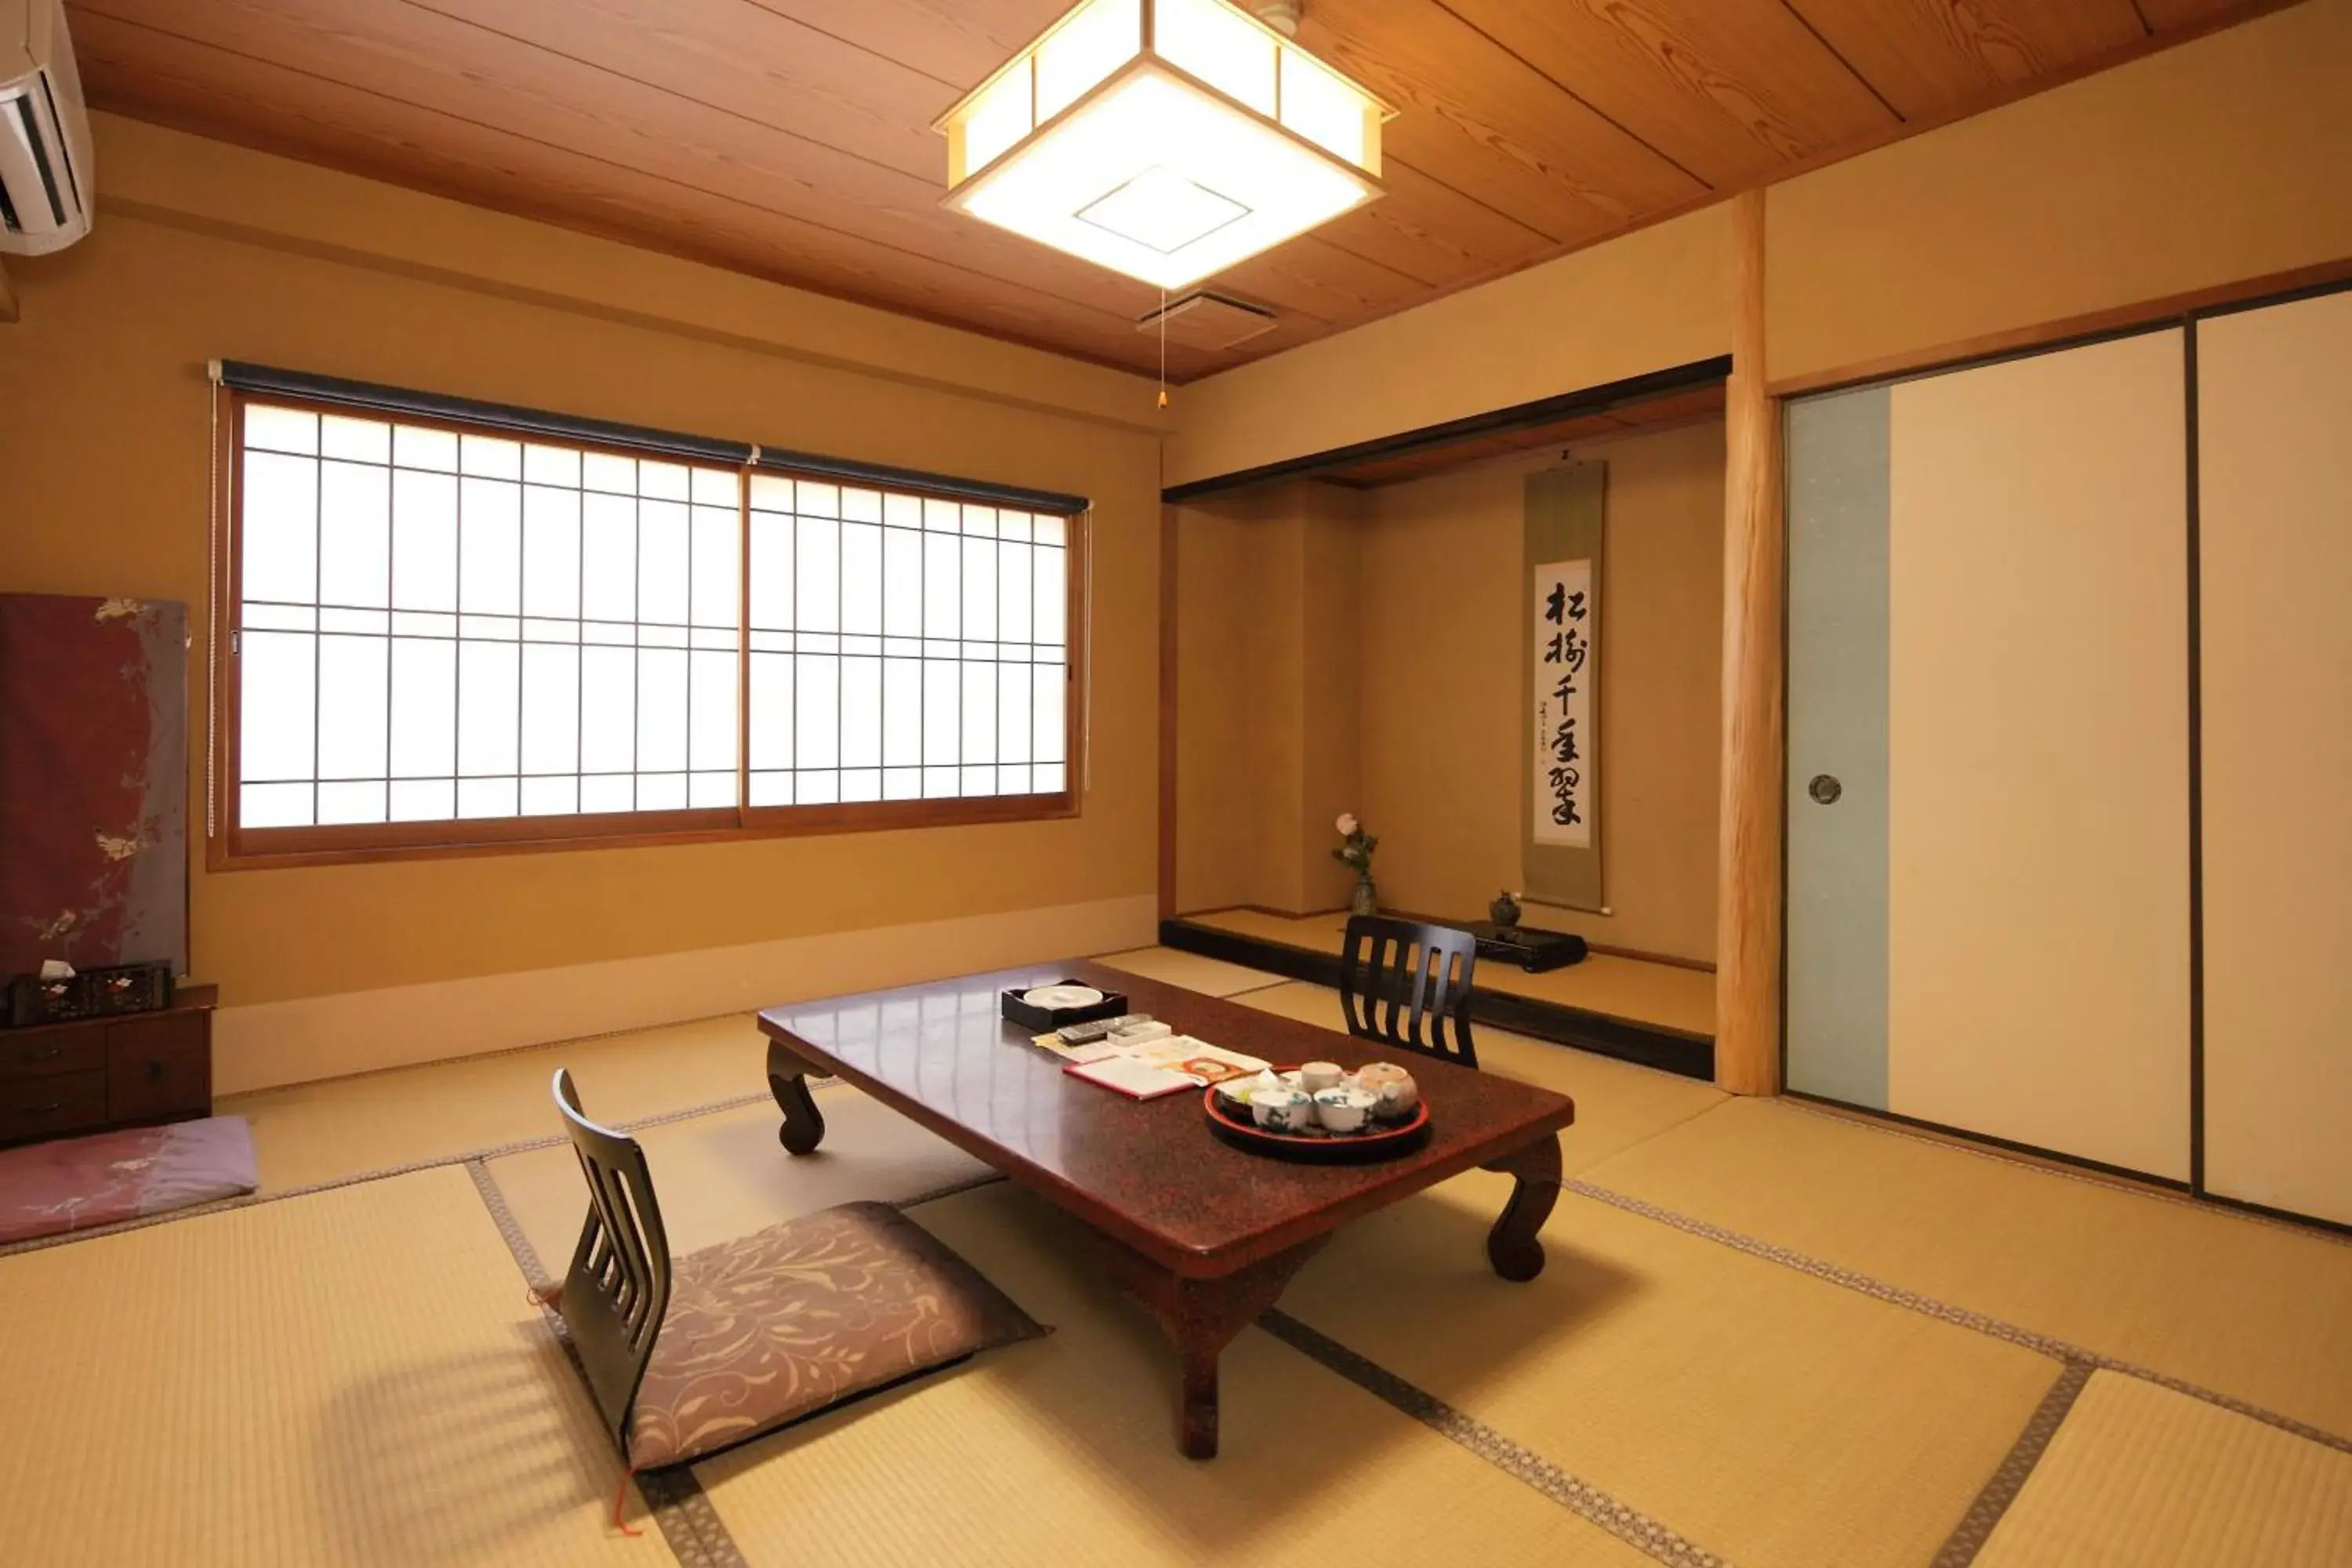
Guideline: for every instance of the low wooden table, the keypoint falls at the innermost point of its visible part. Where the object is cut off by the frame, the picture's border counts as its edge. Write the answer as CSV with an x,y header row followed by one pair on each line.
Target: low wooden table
x,y
1203,1236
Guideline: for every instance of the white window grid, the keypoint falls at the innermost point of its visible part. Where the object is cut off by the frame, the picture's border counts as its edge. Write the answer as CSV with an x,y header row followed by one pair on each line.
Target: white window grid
x,y
903,647
441,624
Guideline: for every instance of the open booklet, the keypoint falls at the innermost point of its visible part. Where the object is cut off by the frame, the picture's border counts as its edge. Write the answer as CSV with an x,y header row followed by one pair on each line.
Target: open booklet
x,y
1164,1066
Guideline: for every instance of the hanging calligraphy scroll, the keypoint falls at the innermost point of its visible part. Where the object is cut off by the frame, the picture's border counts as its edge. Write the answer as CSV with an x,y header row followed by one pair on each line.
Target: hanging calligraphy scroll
x,y
1560,838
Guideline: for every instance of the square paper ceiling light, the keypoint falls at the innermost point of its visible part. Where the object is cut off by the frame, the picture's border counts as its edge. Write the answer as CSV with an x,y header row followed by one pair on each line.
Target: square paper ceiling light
x,y
1164,139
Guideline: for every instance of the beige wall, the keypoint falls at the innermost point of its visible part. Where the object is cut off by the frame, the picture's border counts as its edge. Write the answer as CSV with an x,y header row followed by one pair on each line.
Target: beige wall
x,y
1268,696
1331,690
2225,159
1657,298
1441,759
148,172
105,448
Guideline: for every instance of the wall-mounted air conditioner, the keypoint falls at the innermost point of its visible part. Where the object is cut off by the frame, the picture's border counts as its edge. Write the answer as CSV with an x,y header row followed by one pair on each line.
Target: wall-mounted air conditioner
x,y
45,163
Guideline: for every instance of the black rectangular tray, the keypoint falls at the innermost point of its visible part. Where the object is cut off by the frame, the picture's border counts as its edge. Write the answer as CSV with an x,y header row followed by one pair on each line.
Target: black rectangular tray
x,y
1532,949
1045,1021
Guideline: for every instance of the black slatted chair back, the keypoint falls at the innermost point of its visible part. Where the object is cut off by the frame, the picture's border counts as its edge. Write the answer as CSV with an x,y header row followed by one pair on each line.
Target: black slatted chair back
x,y
1405,984
618,1285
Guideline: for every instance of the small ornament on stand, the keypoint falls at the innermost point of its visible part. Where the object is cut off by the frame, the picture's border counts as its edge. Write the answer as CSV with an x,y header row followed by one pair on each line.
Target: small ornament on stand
x,y
1505,911
1355,852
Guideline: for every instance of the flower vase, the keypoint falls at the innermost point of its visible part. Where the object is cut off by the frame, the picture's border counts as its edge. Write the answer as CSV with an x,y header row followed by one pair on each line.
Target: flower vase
x,y
1368,898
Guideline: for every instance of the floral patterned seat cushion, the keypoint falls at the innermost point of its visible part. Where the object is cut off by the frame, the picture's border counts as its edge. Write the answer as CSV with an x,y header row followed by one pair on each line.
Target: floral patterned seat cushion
x,y
787,1320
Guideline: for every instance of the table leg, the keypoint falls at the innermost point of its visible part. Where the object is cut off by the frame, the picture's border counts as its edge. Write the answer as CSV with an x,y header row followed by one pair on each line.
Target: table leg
x,y
803,1127
1515,1246
1201,1318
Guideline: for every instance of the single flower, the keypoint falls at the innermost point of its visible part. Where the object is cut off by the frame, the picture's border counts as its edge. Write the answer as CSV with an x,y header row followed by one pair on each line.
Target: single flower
x,y
1347,825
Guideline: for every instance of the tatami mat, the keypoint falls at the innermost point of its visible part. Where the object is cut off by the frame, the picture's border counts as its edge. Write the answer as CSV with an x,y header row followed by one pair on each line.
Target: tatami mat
x,y
1063,1451
725,1175
1617,1103
1664,995
1191,971
2140,1476
1772,1418
2251,1310
312,1132
351,1377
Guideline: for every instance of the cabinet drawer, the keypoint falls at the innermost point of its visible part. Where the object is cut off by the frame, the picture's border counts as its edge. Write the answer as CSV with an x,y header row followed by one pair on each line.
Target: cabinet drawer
x,y
47,1107
144,1032
43,1053
157,1068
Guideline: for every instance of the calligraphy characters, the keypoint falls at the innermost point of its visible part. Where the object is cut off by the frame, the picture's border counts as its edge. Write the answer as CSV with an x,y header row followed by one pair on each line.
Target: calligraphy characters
x,y
1565,651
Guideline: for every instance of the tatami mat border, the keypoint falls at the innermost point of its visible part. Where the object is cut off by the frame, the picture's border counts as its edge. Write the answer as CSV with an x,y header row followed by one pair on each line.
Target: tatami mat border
x,y
493,1152
1588,1502
1960,1142
695,1534
690,1526
1962,1317
1254,990
689,1523
1975,1526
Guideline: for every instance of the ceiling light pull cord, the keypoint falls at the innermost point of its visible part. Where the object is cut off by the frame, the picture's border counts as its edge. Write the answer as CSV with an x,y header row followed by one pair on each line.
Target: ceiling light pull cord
x,y
1163,346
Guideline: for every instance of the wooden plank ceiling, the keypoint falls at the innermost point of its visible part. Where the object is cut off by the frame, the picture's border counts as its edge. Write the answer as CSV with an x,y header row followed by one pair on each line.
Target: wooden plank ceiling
x,y
790,138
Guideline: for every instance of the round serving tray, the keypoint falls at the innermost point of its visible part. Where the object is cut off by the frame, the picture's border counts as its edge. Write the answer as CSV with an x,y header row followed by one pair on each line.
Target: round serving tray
x,y
1386,1143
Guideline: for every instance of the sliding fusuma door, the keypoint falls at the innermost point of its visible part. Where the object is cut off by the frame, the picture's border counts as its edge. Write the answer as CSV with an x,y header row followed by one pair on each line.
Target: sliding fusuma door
x,y
2274,444
1988,870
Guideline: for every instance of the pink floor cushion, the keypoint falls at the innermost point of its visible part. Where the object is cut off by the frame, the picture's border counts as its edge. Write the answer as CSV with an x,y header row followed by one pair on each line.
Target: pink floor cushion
x,y
790,1320
75,1184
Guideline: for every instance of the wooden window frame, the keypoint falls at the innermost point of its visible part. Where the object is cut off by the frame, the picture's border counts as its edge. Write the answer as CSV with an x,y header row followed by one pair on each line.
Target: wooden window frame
x,y
229,847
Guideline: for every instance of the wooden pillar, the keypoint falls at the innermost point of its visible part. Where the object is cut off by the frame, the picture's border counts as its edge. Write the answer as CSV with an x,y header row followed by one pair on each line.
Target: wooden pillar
x,y
1749,823
1168,600
7,299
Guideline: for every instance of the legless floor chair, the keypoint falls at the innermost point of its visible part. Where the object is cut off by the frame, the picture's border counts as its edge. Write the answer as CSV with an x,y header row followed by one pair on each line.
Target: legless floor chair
x,y
1408,985
685,1358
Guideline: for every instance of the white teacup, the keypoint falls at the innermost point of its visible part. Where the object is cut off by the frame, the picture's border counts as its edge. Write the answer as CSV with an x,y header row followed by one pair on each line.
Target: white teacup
x,y
1284,1109
1344,1108
1317,1077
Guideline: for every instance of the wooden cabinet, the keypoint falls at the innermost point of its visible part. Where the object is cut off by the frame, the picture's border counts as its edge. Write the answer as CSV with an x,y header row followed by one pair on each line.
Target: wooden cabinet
x,y
52,1107
46,1052
61,1079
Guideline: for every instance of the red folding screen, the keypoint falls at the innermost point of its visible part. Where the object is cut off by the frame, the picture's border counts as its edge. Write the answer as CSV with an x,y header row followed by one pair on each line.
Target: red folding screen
x,y
93,781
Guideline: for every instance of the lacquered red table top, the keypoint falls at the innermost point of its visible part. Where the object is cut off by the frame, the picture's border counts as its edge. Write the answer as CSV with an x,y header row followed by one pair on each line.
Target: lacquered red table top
x,y
1149,1173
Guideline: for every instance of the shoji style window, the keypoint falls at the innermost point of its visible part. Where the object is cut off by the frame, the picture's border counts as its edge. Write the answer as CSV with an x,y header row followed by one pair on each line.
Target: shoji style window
x,y
905,647
447,632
